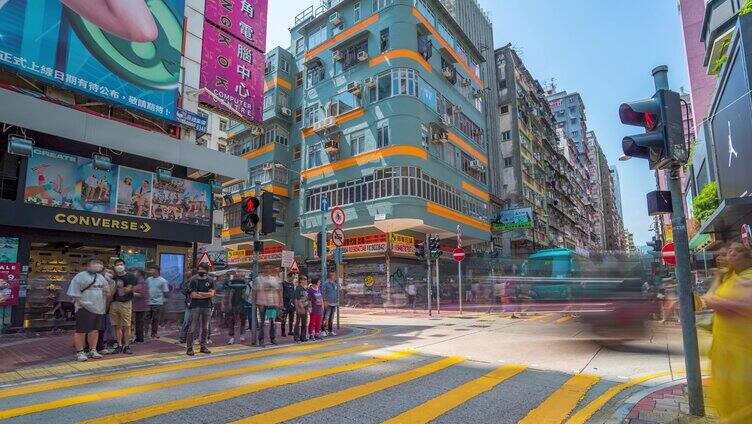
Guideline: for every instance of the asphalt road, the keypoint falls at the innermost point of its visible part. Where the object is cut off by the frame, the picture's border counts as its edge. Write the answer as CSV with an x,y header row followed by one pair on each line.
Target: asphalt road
x,y
479,369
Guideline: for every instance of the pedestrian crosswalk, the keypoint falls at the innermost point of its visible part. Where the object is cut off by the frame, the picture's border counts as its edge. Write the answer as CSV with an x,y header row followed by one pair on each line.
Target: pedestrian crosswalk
x,y
349,380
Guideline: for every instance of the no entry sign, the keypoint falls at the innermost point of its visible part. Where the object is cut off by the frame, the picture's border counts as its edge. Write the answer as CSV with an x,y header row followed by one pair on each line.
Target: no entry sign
x,y
668,254
458,254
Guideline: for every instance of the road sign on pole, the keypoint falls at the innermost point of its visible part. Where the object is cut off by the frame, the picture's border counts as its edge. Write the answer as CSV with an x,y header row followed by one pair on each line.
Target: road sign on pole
x,y
288,256
458,254
338,237
206,260
668,254
294,267
338,216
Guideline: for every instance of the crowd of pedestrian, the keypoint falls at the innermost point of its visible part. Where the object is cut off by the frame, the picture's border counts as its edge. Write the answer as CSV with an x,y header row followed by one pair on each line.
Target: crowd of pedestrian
x,y
116,308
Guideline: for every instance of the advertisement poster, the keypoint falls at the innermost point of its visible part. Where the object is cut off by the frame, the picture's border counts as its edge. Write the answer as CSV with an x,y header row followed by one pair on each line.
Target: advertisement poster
x,y
244,19
172,266
51,179
233,72
513,219
182,201
9,287
134,259
8,249
66,181
134,192
96,188
128,56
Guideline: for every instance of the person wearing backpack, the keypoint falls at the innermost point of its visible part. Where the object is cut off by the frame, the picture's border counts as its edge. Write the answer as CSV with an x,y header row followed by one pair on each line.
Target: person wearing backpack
x,y
89,291
302,308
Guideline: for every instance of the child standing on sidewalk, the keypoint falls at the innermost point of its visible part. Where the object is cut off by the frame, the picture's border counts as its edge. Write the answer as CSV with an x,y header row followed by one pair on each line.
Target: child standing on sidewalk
x,y
317,309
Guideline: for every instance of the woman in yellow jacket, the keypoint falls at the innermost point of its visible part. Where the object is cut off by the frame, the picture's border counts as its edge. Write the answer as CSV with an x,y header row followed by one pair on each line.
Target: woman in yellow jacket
x,y
731,354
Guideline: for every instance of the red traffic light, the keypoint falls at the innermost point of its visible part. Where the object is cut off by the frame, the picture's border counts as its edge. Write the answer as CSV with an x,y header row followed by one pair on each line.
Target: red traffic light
x,y
642,113
250,204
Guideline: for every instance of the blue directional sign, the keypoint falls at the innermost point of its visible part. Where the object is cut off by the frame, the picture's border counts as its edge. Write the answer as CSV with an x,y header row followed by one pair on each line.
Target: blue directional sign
x,y
324,204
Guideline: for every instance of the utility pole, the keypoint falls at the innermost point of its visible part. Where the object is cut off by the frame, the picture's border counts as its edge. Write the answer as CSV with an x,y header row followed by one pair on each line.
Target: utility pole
x,y
438,291
428,273
254,318
322,248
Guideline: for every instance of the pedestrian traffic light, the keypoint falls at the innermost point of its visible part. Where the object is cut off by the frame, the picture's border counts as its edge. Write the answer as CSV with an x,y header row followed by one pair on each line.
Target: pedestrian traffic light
x,y
269,222
433,245
319,242
663,143
249,214
420,250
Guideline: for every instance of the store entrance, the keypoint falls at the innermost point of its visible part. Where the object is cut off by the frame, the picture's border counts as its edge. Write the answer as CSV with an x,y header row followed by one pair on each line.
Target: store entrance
x,y
51,268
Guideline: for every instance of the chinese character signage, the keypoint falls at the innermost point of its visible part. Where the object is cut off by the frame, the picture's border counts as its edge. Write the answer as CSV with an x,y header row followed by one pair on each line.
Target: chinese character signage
x,y
243,19
233,72
193,120
9,285
128,56
71,182
512,219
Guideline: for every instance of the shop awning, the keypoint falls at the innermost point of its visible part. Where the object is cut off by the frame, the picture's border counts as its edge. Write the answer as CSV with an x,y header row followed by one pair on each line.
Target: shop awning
x,y
727,220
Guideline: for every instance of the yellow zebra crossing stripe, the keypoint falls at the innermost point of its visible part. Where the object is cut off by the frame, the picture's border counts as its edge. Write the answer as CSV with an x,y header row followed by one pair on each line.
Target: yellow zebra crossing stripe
x,y
564,319
192,402
556,408
444,403
219,360
77,400
310,406
540,317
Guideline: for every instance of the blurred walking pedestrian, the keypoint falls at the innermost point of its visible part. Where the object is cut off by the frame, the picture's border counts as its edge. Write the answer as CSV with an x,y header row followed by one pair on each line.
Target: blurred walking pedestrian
x,y
234,303
267,295
288,305
140,305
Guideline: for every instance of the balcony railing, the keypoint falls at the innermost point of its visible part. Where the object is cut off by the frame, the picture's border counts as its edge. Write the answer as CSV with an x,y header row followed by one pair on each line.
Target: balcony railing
x,y
312,12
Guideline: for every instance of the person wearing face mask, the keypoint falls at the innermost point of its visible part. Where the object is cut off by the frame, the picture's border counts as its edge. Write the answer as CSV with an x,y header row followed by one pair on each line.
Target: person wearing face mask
x,y
122,308
89,291
201,291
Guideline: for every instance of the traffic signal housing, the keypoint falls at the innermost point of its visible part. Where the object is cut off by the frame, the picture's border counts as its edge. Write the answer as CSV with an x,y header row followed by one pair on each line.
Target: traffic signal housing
x,y
434,246
420,250
663,143
269,222
249,217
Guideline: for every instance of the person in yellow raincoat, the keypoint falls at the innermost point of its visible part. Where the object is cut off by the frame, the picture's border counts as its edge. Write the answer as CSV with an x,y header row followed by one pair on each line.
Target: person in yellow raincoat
x,y
731,353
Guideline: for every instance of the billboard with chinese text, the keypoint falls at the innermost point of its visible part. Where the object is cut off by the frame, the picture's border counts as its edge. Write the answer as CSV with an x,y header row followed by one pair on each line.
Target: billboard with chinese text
x,y
243,19
233,72
512,219
66,181
128,56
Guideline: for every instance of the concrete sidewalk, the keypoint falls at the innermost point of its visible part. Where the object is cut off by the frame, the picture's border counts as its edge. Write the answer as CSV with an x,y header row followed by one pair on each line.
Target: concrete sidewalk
x,y
667,403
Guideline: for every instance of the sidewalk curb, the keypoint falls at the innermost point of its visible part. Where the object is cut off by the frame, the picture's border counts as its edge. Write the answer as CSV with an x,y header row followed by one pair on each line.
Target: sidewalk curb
x,y
622,411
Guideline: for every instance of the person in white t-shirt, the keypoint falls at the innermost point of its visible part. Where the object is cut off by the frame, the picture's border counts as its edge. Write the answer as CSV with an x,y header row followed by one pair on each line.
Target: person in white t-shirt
x,y
158,289
89,290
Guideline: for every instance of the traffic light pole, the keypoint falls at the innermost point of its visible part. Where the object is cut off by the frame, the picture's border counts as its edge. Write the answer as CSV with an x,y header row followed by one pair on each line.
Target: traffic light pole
x,y
438,292
686,301
254,314
683,278
428,273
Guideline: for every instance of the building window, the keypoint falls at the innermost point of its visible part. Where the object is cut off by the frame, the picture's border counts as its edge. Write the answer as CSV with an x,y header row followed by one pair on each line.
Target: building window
x,y
300,46
573,121
350,56
311,115
384,40
404,82
296,152
223,125
343,103
356,12
317,37
506,135
358,142
382,136
268,100
314,75
380,4
504,109
284,99
276,134
284,66
295,189
575,133
508,162
298,79
314,155
298,114
271,64
385,86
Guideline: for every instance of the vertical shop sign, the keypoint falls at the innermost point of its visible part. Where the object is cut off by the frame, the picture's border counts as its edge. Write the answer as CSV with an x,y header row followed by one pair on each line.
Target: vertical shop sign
x,y
243,19
10,273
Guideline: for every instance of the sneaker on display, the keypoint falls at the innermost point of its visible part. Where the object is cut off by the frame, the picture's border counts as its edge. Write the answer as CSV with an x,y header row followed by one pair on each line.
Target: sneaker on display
x,y
81,357
93,354
231,341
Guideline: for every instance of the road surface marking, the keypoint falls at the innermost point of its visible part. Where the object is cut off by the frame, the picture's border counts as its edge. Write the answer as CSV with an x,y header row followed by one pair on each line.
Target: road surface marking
x,y
584,414
444,403
220,360
557,407
540,317
206,399
118,393
564,319
299,409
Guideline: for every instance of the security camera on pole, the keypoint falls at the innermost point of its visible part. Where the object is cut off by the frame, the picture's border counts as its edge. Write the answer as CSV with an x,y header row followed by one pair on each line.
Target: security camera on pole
x,y
664,146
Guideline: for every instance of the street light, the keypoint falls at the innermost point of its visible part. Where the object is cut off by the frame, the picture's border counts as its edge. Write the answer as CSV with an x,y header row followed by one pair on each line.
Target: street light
x,y
624,158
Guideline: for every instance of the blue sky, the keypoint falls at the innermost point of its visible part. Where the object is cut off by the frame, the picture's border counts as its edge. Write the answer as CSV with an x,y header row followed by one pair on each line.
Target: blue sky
x,y
603,49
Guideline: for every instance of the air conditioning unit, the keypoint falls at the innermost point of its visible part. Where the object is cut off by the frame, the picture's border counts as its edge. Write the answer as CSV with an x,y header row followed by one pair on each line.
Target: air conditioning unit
x,y
476,164
329,122
446,120
335,18
257,131
439,137
466,82
370,82
286,111
478,94
362,56
355,88
331,146
338,55
448,71
268,166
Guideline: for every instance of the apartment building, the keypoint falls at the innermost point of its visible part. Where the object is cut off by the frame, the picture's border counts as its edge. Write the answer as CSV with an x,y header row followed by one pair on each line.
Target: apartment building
x,y
377,107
